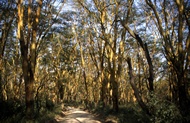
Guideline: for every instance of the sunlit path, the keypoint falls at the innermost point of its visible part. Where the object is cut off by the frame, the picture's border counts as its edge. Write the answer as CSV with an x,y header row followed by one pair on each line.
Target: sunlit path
x,y
75,115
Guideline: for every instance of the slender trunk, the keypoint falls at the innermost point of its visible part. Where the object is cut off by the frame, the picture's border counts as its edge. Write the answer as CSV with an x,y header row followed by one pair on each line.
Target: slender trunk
x,y
61,92
86,86
84,72
1,72
136,91
3,39
115,91
147,55
103,79
1,88
103,97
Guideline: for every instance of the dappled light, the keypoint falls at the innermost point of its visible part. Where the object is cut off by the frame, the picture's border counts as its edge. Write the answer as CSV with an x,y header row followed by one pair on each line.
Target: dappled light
x,y
74,115
94,61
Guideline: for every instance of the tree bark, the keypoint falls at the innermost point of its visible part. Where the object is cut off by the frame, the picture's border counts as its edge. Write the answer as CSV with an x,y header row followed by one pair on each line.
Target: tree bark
x,y
115,91
179,57
136,91
28,54
2,47
147,55
143,46
3,39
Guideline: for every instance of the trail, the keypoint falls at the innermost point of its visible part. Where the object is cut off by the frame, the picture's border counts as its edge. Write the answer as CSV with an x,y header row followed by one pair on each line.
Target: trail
x,y
76,115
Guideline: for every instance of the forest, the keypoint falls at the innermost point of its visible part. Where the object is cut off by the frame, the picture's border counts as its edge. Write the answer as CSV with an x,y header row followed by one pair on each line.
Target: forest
x,y
124,59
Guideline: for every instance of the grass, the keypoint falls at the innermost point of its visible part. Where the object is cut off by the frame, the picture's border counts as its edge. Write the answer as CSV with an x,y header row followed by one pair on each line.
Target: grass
x,y
129,113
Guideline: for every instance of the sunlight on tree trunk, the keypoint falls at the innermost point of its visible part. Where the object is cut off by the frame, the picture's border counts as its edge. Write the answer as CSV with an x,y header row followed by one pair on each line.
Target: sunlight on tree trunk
x,y
28,53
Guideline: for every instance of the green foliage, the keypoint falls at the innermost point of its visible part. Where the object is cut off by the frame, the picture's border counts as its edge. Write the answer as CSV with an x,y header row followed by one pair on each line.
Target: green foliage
x,y
162,110
14,112
50,105
129,113
11,111
132,114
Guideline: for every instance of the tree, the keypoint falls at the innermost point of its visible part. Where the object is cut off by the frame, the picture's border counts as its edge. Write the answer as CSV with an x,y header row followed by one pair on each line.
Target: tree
x,y
83,55
173,26
31,33
110,46
125,24
6,24
136,90
28,50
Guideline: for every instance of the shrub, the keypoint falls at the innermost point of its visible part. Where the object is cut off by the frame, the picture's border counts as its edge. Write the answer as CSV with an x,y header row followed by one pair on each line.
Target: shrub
x,y
11,111
162,110
50,105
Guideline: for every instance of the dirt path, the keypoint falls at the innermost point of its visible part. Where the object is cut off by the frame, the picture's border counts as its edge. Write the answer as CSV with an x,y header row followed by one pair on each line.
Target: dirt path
x,y
75,115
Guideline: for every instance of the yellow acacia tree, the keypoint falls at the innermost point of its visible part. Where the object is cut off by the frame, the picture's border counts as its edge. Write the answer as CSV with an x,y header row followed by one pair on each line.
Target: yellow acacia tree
x,y
7,20
172,22
110,47
27,38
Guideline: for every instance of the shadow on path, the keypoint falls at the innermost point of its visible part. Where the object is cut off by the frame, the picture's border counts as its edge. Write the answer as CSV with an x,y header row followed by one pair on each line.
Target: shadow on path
x,y
75,115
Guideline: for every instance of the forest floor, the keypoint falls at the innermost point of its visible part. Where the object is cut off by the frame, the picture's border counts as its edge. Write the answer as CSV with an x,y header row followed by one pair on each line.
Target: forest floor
x,y
76,115
80,114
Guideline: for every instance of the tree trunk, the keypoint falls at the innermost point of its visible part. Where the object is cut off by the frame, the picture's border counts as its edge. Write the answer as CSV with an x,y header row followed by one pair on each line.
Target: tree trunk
x,y
1,69
1,81
183,100
143,46
115,91
136,91
177,54
28,54
86,87
103,98
3,39
113,81
25,64
147,55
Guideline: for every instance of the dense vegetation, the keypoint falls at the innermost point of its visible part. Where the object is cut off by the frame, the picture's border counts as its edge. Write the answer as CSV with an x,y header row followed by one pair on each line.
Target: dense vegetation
x,y
125,58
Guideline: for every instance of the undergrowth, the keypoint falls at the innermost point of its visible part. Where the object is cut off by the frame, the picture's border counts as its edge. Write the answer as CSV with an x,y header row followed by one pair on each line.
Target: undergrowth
x,y
14,112
129,113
